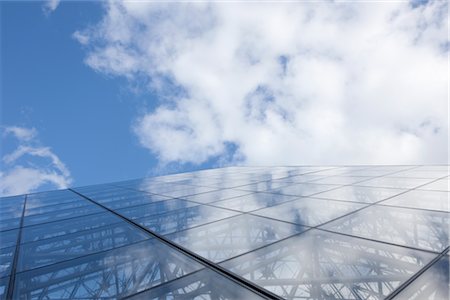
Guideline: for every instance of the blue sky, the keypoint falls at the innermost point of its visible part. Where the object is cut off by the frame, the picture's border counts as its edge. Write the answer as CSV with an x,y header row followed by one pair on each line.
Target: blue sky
x,y
83,115
109,91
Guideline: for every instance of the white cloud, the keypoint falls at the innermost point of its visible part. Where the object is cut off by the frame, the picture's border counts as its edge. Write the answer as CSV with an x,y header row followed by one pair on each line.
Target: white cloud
x,y
20,133
288,83
30,166
50,6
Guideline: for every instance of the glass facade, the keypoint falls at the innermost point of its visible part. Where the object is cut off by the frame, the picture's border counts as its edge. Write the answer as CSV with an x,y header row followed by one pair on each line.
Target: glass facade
x,y
312,232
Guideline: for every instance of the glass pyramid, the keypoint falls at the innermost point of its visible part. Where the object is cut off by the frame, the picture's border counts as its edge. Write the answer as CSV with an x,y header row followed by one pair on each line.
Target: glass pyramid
x,y
309,232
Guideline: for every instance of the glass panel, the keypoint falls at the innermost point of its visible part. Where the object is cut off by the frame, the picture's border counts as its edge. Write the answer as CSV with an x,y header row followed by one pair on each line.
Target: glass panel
x,y
434,284
376,171
422,199
224,239
172,190
340,180
216,196
52,198
59,228
300,179
309,211
4,281
56,207
62,214
410,227
11,207
6,258
184,218
394,182
359,194
9,224
438,185
321,265
254,201
415,173
204,284
129,201
53,250
156,208
111,274
8,238
305,189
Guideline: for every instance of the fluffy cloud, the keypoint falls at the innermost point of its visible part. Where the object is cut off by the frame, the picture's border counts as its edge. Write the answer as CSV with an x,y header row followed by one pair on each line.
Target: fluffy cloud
x,y
287,83
50,6
30,165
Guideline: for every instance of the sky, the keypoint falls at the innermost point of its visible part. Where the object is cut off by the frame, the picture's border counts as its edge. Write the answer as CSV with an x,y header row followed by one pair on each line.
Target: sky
x,y
95,92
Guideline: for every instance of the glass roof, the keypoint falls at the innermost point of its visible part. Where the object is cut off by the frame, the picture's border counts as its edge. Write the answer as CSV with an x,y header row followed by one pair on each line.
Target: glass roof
x,y
307,232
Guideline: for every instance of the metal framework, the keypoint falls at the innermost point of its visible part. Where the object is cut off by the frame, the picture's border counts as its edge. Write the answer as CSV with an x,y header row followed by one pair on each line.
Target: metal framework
x,y
311,232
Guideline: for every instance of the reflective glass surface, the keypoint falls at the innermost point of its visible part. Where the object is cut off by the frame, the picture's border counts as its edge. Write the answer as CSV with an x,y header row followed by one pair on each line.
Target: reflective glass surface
x,y
112,274
254,201
224,239
395,182
184,218
11,207
320,265
62,214
204,284
3,285
156,208
341,180
6,259
434,284
8,238
422,229
68,226
422,199
309,211
300,232
61,248
438,185
359,194
216,196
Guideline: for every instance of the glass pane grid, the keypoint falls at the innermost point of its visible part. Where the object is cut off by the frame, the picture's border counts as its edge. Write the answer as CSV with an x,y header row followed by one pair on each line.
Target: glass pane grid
x,y
350,232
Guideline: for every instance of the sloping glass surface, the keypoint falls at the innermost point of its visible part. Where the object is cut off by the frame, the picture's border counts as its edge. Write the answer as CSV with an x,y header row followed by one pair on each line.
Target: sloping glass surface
x,y
52,198
216,196
168,189
321,265
422,199
112,274
300,232
344,180
309,211
66,247
8,238
438,185
359,194
6,259
204,284
253,201
299,189
68,226
62,214
11,207
184,218
416,228
3,285
396,182
8,224
156,208
434,284
224,239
